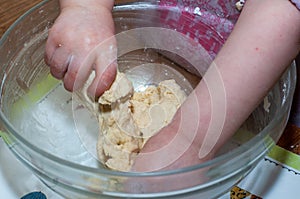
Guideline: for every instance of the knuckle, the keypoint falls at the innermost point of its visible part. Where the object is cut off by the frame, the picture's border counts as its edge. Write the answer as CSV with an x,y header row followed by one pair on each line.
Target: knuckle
x,y
56,73
47,58
70,80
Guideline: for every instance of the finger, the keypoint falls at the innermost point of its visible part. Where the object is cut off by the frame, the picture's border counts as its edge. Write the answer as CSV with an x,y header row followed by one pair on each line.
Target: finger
x,y
102,82
49,50
78,71
59,62
105,67
57,56
51,45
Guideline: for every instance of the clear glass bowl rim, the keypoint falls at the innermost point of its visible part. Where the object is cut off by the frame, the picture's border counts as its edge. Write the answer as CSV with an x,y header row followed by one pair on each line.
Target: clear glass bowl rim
x,y
240,150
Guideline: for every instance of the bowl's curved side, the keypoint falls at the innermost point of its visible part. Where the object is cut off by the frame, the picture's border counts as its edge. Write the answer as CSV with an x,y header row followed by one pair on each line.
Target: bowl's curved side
x,y
78,181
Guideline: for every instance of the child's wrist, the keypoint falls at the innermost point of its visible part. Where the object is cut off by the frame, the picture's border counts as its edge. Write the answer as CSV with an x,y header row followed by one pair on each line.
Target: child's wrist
x,y
87,3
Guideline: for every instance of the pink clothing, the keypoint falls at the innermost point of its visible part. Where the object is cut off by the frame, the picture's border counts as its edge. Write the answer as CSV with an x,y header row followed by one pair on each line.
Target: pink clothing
x,y
208,21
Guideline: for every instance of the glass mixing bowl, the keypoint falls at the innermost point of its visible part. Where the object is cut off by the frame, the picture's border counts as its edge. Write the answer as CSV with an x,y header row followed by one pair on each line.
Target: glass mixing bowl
x,y
48,132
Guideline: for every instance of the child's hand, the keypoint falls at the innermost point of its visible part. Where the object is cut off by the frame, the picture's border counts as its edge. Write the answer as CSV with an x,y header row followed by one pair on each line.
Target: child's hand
x,y
178,144
75,33
175,147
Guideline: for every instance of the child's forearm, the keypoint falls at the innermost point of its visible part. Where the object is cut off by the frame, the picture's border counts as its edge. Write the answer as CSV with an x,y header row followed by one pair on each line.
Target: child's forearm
x,y
263,43
91,3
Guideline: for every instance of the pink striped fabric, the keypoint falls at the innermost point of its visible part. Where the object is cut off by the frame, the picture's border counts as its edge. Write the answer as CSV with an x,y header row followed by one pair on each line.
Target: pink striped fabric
x,y
214,18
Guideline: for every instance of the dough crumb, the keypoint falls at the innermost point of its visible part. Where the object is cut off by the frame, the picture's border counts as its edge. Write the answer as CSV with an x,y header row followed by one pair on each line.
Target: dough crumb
x,y
239,5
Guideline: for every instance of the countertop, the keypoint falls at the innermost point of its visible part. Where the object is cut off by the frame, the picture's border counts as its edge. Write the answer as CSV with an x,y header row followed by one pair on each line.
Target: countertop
x,y
10,10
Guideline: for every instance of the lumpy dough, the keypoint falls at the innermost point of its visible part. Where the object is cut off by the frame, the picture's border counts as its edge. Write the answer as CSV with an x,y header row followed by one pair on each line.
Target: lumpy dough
x,y
127,119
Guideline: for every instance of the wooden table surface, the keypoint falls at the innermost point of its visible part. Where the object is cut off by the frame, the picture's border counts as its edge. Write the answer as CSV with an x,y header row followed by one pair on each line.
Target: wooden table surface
x,y
10,10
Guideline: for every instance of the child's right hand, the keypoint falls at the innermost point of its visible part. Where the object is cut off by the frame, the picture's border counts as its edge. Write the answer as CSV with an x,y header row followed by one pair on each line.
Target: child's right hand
x,y
80,27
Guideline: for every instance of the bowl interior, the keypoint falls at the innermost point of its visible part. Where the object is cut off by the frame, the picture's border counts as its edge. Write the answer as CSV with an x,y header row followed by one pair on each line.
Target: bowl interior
x,y
46,115
37,109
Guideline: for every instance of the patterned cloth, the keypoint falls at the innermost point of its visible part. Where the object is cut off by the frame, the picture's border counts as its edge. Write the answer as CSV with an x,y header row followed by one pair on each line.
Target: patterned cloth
x,y
208,21
214,18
